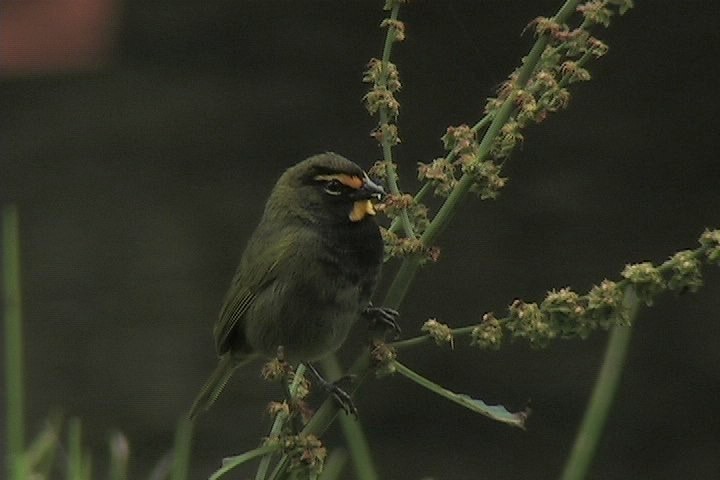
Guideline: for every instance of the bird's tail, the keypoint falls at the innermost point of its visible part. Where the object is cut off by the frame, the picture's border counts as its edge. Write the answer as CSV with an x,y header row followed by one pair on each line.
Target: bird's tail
x,y
215,384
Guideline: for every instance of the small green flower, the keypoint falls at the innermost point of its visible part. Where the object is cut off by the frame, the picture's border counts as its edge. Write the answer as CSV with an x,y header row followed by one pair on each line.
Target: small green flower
x,y
440,332
710,240
488,334
603,301
487,181
306,453
596,11
646,279
460,139
685,272
566,312
527,320
441,173
387,132
381,97
397,27
383,356
275,408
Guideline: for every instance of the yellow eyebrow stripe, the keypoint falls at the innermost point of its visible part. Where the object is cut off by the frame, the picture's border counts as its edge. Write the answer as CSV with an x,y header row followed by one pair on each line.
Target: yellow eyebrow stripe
x,y
351,181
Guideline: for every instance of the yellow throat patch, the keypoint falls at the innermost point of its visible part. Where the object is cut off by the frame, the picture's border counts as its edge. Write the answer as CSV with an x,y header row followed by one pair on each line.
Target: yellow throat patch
x,y
361,208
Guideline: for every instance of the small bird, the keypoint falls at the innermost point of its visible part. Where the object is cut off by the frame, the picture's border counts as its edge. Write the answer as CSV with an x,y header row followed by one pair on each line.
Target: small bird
x,y
306,275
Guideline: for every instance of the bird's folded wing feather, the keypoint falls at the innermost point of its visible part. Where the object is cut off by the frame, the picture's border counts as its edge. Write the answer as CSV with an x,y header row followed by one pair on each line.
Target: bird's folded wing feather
x,y
258,269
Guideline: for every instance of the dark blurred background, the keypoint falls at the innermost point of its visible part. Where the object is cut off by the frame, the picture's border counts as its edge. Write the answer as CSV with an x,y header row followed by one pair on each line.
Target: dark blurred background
x,y
140,139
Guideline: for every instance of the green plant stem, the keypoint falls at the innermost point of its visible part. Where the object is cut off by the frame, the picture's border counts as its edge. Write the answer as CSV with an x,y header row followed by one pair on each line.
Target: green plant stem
x,y
75,450
419,340
233,462
181,449
602,396
384,118
13,343
352,430
279,421
334,465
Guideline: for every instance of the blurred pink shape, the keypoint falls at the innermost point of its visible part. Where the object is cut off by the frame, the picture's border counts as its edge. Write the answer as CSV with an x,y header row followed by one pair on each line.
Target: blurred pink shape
x,y
44,36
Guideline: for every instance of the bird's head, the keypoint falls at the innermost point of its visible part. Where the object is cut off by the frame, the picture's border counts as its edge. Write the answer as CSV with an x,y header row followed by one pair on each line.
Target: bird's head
x,y
326,187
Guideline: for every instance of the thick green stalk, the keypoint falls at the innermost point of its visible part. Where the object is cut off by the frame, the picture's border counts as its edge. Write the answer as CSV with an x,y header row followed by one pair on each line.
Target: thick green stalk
x,y
75,467
603,393
181,449
13,343
334,465
352,430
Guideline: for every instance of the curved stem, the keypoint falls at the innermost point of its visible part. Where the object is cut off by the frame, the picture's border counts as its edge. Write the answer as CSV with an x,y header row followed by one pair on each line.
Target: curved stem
x,y
602,396
13,343
232,462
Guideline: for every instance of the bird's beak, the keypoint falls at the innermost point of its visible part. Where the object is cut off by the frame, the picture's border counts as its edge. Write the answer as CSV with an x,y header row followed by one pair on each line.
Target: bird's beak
x,y
370,190
363,206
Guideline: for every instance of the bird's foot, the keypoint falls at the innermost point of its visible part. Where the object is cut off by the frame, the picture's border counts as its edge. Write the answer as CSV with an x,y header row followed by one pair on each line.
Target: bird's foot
x,y
384,317
343,398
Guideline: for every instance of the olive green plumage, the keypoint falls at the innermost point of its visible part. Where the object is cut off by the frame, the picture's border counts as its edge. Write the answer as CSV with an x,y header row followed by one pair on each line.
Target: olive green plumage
x,y
307,273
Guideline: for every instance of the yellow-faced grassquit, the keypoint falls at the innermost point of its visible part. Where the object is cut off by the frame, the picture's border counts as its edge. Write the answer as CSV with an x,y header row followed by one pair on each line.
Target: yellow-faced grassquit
x,y
307,273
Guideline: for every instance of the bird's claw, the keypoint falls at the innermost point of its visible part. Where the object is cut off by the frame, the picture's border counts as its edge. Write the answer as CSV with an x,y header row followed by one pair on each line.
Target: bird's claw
x,y
386,317
343,398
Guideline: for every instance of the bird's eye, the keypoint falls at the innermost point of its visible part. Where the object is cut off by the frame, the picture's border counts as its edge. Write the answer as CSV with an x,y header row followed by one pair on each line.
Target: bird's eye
x,y
333,187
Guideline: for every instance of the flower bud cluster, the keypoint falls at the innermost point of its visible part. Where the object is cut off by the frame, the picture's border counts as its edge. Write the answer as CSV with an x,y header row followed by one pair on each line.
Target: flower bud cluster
x,y
464,158
686,274
600,11
565,314
393,206
306,453
383,355
646,279
561,64
489,334
385,81
440,332
562,314
397,246
710,242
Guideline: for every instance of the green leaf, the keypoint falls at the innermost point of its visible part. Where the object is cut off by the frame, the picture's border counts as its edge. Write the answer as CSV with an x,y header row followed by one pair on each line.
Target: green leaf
x,y
495,412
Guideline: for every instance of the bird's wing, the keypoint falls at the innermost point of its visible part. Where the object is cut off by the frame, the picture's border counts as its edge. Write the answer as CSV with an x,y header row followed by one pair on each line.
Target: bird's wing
x,y
257,270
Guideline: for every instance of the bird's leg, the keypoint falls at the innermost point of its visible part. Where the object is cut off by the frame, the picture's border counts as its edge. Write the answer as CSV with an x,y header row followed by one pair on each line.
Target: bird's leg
x,y
385,317
341,396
